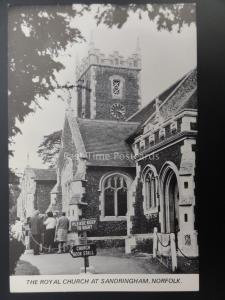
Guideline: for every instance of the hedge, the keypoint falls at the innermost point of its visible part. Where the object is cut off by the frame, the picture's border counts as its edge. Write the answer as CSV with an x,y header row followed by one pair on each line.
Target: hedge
x,y
16,249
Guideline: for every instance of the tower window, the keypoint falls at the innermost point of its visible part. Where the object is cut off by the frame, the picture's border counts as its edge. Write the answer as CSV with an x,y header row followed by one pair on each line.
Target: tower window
x,y
117,86
185,184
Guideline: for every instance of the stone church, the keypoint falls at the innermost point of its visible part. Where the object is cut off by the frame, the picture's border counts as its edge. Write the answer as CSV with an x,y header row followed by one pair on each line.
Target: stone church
x,y
130,167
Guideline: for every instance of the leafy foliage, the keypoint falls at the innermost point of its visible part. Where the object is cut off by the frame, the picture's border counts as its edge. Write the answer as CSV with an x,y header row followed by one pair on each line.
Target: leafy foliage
x,y
14,191
12,214
166,16
109,243
16,249
13,178
37,35
145,245
49,148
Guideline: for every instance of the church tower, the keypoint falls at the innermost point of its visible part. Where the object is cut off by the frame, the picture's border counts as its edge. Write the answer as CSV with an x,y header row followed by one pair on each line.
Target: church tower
x,y
108,87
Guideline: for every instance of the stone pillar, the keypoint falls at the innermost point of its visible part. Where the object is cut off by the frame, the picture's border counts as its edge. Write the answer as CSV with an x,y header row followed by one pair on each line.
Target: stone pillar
x,y
130,244
28,249
187,236
155,241
173,252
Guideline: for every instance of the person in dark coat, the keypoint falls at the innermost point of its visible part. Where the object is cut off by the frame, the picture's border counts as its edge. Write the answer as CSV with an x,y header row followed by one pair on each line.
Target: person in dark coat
x,y
43,230
36,229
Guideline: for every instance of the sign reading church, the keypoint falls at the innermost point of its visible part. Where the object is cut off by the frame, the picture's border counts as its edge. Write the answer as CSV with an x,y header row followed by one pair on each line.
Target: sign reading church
x,y
148,178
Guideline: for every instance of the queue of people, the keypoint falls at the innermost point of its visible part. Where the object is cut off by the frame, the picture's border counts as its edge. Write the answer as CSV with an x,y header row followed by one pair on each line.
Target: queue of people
x,y
48,233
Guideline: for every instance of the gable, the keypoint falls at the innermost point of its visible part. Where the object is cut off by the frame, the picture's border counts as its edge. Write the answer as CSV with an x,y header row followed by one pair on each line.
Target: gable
x,y
171,99
68,149
105,142
145,112
182,95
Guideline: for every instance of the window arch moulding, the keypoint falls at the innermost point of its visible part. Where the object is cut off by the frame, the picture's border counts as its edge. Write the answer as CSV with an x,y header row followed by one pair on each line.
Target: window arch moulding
x,y
114,196
150,190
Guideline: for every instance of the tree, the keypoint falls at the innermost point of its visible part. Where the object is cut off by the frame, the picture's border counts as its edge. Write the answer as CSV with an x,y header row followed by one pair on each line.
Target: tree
x,y
167,16
14,191
36,38
49,148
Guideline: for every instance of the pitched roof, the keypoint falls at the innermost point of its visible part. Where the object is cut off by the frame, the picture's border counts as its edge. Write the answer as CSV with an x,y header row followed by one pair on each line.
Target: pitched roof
x,y
42,174
191,102
143,114
182,95
105,141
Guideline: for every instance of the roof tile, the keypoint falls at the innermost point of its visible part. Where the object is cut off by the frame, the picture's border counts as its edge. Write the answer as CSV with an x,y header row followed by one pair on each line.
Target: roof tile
x,y
105,142
44,174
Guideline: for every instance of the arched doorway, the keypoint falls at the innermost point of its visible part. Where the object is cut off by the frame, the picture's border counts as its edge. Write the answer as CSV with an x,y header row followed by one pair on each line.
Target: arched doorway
x,y
170,202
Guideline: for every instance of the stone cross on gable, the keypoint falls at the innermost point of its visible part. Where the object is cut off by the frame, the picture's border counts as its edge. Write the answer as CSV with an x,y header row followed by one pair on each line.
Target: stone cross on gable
x,y
158,117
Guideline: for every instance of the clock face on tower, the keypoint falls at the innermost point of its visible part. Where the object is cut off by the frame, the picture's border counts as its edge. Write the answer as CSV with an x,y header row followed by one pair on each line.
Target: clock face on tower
x,y
117,111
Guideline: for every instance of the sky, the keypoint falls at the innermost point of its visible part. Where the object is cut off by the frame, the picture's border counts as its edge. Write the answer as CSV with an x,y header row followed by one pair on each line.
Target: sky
x,y
166,57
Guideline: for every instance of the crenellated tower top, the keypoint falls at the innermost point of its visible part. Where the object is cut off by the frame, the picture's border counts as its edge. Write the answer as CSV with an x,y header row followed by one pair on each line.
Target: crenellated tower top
x,y
115,60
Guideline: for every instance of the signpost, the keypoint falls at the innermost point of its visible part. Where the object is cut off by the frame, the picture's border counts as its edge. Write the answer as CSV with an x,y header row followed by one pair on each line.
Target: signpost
x,y
85,250
83,225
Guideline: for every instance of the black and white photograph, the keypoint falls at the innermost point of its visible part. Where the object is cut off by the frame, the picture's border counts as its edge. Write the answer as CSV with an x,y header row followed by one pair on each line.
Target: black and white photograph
x,y
102,135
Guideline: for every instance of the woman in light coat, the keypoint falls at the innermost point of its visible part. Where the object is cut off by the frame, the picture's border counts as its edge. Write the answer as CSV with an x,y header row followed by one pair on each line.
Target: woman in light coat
x,y
50,224
61,232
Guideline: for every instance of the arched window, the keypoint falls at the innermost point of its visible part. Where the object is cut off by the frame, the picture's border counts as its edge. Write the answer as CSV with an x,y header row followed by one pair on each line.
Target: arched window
x,y
115,196
150,190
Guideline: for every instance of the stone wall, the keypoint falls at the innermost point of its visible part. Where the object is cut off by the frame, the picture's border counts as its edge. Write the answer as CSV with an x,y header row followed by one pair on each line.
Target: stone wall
x,y
108,228
103,91
42,195
142,224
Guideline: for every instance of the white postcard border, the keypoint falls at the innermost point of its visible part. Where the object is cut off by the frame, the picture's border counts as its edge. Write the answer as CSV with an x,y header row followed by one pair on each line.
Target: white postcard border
x,y
104,282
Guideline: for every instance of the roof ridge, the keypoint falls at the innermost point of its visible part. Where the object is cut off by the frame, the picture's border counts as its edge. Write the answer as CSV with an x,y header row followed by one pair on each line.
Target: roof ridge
x,y
108,121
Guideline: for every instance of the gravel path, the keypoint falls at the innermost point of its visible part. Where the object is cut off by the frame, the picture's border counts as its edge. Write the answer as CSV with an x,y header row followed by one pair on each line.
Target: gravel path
x,y
55,264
